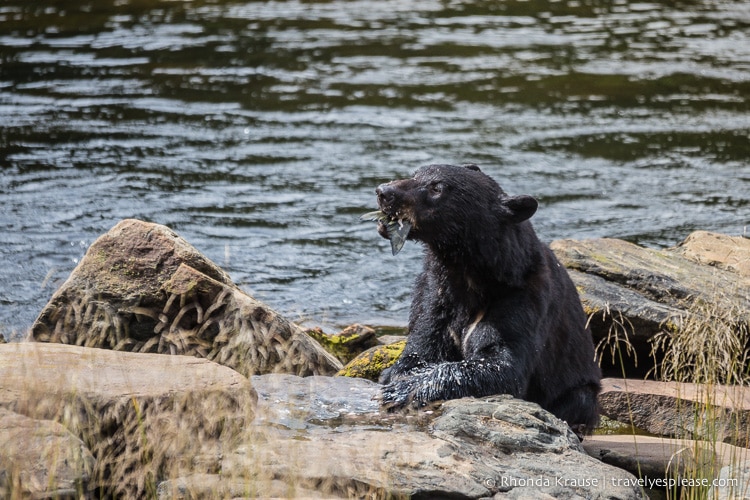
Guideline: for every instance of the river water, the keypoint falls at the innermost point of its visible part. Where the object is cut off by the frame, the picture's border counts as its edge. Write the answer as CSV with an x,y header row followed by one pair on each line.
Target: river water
x,y
259,130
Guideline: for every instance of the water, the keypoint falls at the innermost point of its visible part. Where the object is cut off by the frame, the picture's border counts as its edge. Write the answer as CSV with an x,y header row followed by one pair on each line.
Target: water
x,y
259,130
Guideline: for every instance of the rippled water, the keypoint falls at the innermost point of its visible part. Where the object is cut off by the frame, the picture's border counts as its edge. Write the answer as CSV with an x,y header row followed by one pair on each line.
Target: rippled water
x,y
259,130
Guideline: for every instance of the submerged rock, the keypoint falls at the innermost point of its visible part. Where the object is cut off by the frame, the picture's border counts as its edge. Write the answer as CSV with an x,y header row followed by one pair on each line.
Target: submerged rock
x,y
142,288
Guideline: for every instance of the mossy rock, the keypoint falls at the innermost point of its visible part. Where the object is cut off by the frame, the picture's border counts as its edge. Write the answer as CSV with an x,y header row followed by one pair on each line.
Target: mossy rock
x,y
373,361
348,343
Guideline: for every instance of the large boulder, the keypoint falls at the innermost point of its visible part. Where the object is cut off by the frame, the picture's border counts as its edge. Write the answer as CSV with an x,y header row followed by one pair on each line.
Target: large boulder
x,y
326,437
143,417
147,425
142,288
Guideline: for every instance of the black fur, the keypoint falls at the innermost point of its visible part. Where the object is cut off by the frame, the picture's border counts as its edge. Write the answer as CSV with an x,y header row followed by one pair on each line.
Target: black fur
x,y
493,311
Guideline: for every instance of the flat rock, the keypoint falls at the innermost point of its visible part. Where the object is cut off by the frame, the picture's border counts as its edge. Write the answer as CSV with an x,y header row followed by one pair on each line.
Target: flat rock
x,y
141,415
657,457
142,288
41,459
682,410
326,437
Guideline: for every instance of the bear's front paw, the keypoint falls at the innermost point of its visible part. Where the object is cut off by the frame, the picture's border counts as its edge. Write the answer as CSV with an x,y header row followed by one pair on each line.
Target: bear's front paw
x,y
406,365
397,394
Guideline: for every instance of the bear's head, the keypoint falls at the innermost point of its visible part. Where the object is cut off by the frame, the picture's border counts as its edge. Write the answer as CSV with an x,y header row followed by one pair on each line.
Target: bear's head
x,y
448,207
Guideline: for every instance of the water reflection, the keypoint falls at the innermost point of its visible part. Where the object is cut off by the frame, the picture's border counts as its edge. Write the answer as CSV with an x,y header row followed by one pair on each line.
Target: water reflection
x,y
259,130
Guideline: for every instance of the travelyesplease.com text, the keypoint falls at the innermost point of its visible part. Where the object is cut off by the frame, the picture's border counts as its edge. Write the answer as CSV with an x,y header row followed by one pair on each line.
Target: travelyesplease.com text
x,y
589,482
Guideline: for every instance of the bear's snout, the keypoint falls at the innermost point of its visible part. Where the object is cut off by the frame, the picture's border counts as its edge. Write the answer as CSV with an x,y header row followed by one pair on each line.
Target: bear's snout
x,y
391,198
386,194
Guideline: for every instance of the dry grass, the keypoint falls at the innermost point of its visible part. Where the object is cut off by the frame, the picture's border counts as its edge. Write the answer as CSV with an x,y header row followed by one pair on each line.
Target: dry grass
x,y
708,345
617,341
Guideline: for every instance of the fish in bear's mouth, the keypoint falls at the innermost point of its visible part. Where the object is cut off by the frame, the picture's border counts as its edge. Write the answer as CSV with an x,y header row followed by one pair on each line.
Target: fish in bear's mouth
x,y
396,229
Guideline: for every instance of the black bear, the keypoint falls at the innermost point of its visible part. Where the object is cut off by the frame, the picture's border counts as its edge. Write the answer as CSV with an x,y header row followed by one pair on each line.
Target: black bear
x,y
493,311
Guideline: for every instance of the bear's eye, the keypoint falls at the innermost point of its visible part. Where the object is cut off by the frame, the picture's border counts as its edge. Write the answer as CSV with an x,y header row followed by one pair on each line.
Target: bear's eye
x,y
436,189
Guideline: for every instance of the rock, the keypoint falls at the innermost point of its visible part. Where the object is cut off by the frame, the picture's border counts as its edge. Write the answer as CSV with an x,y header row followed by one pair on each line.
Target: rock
x,y
391,339
142,416
41,459
693,411
142,288
370,363
657,457
326,437
346,344
725,252
298,403
734,483
635,296
218,486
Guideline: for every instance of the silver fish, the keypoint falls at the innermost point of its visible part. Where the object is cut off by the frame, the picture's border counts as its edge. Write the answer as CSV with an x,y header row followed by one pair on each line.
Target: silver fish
x,y
397,230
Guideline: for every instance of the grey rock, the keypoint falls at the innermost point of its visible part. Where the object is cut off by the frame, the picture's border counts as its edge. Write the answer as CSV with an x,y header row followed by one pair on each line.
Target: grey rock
x,y
718,250
640,293
391,339
210,486
183,427
656,457
328,435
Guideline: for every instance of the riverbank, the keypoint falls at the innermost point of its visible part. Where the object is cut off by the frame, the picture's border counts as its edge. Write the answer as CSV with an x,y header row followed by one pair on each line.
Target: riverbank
x,y
150,373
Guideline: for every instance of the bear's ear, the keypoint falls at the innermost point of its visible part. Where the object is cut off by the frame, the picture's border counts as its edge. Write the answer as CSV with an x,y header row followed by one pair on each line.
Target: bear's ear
x,y
471,166
519,208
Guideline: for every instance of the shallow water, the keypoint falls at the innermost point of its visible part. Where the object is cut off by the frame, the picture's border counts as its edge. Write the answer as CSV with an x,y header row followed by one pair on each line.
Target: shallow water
x,y
259,130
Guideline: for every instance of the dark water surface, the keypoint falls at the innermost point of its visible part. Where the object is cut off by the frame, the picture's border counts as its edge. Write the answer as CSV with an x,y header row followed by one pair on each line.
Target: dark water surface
x,y
259,130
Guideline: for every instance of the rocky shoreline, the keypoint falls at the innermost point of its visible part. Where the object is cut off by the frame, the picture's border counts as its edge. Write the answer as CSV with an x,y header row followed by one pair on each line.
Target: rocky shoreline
x,y
150,374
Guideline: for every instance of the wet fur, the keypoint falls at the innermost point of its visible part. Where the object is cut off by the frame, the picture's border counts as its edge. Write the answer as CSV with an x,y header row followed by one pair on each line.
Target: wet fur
x,y
493,311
